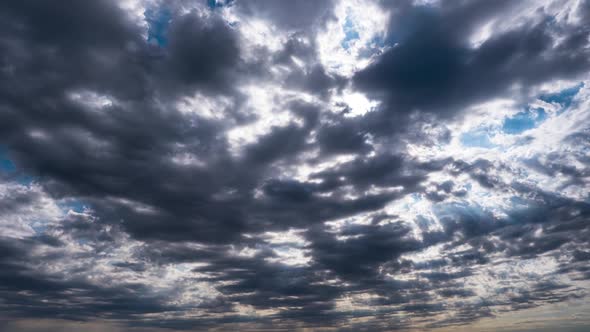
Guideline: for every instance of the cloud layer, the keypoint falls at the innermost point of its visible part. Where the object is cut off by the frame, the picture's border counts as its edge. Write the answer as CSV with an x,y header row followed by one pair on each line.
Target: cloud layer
x,y
265,165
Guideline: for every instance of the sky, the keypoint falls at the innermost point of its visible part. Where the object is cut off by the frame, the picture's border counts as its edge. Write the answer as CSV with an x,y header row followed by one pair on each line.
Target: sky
x,y
262,165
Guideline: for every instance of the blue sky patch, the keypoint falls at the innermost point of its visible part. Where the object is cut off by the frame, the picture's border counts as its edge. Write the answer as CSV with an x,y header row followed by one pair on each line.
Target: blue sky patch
x,y
212,4
479,138
158,22
563,97
350,33
524,121
6,165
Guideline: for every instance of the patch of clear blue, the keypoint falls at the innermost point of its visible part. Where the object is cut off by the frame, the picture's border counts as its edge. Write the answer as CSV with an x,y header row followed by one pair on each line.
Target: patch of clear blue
x,y
158,22
212,4
524,121
477,138
563,97
350,33
6,165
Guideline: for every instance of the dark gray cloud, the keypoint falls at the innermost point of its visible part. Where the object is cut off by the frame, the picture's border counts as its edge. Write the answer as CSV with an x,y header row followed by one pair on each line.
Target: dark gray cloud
x,y
26,292
119,205
188,36
432,67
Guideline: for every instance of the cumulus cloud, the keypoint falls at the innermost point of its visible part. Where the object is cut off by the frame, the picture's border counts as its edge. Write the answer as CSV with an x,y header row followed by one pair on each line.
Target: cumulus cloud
x,y
265,165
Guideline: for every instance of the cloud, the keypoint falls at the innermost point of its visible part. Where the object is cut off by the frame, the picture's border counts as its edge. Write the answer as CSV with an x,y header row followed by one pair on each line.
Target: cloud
x,y
431,67
256,165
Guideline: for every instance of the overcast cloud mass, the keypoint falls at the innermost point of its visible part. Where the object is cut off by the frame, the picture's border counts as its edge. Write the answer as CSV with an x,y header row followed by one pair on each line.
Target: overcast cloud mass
x,y
261,165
